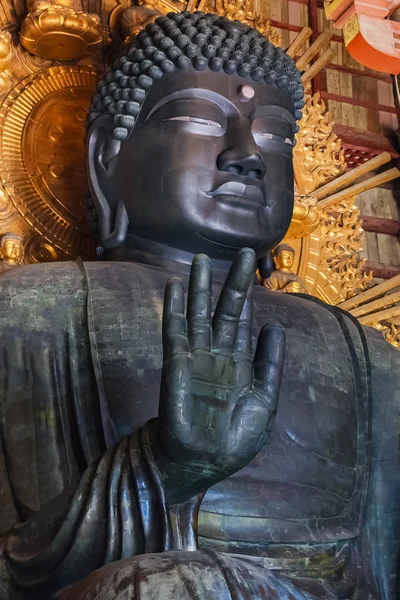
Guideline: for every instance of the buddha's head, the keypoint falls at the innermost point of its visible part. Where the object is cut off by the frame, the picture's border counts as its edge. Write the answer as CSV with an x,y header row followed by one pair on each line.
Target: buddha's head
x,y
284,257
190,138
12,249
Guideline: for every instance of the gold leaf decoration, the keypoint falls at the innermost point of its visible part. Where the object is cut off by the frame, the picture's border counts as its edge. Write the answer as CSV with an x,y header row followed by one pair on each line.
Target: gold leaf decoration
x,y
42,125
305,217
58,33
318,156
392,335
38,249
245,11
343,235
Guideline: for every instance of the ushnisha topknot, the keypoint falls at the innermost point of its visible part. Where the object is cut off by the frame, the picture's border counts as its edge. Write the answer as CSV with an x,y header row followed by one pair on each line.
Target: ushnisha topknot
x,y
181,41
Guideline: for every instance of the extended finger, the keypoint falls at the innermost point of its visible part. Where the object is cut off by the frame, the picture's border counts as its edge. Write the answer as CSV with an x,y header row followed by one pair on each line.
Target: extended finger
x,y
232,298
174,322
199,303
243,344
268,363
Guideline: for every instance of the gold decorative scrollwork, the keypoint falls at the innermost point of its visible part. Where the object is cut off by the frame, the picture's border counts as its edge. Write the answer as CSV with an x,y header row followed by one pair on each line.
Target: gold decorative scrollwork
x,y
245,11
341,228
318,156
38,249
392,335
305,218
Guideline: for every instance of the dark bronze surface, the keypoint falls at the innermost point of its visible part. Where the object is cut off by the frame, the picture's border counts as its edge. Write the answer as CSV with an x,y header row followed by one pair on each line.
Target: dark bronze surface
x,y
146,451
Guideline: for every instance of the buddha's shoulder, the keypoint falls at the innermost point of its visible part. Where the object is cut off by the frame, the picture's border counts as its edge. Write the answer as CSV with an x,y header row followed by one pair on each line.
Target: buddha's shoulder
x,y
58,277
53,288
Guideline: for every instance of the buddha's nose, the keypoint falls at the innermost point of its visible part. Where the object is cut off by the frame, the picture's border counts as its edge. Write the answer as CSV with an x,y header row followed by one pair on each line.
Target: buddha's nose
x,y
242,156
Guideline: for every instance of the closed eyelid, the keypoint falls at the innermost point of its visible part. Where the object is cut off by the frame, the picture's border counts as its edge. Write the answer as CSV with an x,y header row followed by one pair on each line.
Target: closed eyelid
x,y
225,106
272,136
197,120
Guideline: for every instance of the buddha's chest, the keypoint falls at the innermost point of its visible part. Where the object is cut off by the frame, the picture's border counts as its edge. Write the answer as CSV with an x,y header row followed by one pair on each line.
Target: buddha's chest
x,y
306,484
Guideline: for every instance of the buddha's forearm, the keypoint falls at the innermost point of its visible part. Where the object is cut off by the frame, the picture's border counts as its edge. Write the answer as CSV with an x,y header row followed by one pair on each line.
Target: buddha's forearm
x,y
118,510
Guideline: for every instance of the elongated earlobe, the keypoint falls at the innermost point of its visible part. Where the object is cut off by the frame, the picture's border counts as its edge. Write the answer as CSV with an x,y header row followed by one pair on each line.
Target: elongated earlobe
x,y
117,236
113,219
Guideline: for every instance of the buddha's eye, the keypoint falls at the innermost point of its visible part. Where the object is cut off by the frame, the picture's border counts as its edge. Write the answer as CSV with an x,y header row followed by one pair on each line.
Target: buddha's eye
x,y
198,120
271,136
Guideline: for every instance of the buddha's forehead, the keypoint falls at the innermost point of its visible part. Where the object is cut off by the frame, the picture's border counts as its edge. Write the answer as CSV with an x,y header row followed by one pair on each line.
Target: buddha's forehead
x,y
221,89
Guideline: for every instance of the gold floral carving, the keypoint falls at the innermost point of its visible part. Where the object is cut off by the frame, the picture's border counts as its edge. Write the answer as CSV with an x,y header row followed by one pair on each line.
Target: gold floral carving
x,y
334,269
42,154
343,235
245,11
60,33
318,156
305,218
392,335
135,16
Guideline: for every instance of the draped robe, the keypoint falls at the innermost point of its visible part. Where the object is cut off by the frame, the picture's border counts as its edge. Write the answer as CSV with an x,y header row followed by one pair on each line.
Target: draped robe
x,y
314,515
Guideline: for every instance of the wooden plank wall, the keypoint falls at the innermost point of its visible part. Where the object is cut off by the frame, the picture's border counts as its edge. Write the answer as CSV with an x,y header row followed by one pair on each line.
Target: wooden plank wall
x,y
369,108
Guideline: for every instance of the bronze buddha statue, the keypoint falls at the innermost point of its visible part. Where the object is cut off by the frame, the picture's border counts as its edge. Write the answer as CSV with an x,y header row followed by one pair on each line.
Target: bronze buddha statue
x,y
141,456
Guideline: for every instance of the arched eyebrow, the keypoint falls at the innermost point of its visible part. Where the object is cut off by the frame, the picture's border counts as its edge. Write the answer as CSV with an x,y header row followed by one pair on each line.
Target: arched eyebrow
x,y
273,110
226,106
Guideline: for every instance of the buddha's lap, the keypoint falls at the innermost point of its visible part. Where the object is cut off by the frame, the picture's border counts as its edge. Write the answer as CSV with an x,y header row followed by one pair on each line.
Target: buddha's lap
x,y
182,575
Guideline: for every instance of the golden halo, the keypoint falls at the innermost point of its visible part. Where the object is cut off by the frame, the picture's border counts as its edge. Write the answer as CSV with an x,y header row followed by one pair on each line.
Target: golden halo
x,y
42,124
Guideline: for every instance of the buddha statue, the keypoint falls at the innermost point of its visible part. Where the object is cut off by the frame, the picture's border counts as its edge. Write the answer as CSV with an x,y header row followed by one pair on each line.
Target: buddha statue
x,y
146,451
282,278
12,251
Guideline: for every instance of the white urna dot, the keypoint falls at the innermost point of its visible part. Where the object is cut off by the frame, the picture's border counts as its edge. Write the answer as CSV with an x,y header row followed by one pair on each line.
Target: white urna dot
x,y
246,93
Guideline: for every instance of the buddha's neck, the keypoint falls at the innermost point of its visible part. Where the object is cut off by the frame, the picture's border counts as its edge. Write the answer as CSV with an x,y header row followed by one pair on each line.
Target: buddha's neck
x,y
173,260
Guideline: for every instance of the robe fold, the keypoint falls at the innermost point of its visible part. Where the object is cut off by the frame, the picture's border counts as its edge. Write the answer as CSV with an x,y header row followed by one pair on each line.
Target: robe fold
x,y
80,366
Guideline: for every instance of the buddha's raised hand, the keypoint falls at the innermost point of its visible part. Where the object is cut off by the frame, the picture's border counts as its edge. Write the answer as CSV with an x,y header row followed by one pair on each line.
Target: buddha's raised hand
x,y
217,403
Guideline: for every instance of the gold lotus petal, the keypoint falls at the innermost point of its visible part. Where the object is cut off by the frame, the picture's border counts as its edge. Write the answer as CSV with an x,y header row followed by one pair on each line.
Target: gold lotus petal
x,y
49,21
74,24
28,28
93,36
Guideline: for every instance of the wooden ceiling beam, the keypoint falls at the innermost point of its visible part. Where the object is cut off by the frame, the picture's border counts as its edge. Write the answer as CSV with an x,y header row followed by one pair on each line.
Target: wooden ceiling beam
x,y
365,141
368,73
381,270
380,225
358,102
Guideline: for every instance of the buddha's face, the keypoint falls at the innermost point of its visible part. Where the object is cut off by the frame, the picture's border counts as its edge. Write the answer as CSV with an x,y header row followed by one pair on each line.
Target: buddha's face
x,y
205,171
12,250
285,260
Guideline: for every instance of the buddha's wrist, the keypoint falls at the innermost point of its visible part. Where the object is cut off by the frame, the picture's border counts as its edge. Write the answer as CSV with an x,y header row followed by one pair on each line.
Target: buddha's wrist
x,y
181,481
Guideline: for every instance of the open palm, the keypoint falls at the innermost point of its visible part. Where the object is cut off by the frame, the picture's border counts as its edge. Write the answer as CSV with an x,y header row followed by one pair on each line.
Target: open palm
x,y
217,403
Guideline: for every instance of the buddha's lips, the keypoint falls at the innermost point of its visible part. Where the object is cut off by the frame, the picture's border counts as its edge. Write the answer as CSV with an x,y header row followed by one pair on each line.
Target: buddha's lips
x,y
239,190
